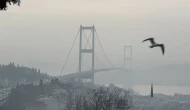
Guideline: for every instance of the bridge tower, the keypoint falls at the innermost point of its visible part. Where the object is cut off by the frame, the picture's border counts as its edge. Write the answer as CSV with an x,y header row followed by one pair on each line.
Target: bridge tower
x,y
82,51
127,57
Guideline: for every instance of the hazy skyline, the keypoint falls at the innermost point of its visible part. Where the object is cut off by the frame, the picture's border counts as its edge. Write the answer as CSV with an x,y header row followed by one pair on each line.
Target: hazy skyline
x,y
39,33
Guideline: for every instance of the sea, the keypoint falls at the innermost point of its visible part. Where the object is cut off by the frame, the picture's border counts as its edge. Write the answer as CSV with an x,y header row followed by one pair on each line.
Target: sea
x,y
161,89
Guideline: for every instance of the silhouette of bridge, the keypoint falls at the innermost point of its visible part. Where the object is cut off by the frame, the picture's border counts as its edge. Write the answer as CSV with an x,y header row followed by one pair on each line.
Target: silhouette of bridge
x,y
89,74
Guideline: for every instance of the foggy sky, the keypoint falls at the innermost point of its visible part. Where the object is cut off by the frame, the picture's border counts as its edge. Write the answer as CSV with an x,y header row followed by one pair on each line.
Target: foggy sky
x,y
39,33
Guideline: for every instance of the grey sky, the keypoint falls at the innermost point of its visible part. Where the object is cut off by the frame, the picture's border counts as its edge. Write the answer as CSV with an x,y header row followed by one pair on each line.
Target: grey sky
x,y
39,34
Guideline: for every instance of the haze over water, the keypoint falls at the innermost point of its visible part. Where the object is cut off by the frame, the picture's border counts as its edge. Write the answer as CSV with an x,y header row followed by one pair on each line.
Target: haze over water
x,y
41,37
141,82
163,89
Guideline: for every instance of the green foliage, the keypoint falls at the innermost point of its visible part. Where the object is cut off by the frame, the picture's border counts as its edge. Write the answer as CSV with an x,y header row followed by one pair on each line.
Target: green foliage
x,y
17,73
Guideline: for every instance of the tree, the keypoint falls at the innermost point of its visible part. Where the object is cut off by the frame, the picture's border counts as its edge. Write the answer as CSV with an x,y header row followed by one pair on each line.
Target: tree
x,y
22,95
55,83
112,98
41,87
1,86
15,73
3,3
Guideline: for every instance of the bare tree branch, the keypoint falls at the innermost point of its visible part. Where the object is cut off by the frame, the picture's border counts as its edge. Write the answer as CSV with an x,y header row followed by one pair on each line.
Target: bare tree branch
x,y
103,98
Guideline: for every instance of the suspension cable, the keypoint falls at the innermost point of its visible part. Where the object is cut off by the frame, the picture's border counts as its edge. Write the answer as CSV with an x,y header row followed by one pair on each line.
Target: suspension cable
x,y
103,49
85,47
102,65
69,53
87,42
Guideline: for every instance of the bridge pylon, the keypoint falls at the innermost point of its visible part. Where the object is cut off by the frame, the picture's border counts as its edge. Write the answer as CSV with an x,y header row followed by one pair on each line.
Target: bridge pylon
x,y
82,51
127,57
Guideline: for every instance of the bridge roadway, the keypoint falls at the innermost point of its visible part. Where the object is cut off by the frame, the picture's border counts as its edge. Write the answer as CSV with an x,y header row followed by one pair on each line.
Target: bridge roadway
x,y
87,74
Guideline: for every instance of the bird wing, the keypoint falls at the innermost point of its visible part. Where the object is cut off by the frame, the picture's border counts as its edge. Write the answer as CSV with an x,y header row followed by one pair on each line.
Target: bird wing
x,y
163,48
151,40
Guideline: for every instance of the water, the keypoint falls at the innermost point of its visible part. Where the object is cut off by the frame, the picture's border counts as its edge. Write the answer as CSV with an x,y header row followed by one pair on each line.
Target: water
x,y
163,89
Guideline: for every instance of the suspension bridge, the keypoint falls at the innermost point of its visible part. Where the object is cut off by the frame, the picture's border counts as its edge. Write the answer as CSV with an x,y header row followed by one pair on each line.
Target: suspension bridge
x,y
80,75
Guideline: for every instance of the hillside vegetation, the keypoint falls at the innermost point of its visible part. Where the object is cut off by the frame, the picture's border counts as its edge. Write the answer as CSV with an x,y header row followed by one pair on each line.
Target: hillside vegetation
x,y
18,73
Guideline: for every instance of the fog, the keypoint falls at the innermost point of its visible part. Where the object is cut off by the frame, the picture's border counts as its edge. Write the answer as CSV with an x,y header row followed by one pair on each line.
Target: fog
x,y
40,33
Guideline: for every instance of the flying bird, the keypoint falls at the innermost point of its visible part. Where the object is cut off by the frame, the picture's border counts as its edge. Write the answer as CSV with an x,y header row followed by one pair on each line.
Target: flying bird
x,y
154,44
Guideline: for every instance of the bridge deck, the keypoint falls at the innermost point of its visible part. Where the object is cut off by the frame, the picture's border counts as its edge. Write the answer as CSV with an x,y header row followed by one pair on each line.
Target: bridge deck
x,y
88,73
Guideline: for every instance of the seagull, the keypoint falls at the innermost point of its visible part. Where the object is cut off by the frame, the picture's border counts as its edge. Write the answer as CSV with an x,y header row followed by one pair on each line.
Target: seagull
x,y
154,44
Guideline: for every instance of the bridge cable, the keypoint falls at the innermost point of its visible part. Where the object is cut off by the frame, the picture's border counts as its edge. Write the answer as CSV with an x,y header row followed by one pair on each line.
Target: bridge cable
x,y
102,65
85,48
103,49
69,53
87,42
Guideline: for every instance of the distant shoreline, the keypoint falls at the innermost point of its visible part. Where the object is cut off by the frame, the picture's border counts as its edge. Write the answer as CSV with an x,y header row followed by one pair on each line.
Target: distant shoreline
x,y
162,89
